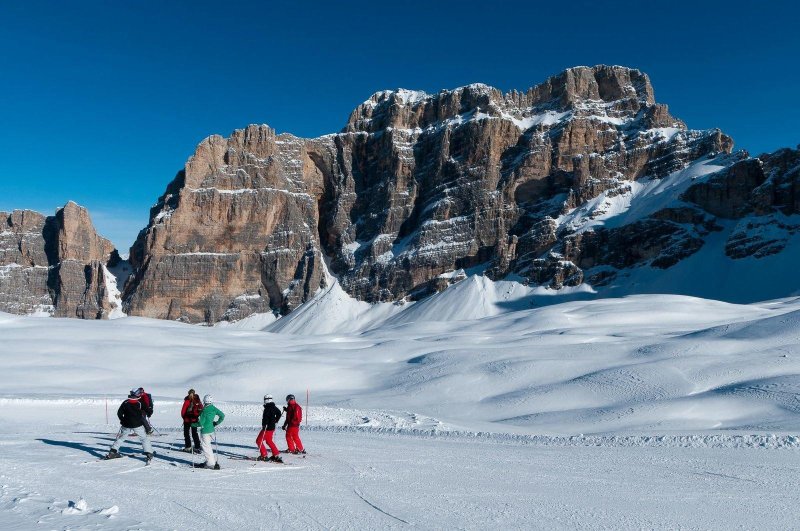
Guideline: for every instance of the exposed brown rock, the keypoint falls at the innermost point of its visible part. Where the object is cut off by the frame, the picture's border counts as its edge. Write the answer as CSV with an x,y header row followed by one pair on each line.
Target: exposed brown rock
x,y
53,264
414,186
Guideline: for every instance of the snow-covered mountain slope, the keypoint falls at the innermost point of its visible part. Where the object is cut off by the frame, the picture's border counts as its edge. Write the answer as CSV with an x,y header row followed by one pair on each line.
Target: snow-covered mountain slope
x,y
637,364
425,418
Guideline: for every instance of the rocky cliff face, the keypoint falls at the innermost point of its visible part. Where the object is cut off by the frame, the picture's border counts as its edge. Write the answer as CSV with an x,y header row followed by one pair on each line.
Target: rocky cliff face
x,y
579,180
414,186
54,265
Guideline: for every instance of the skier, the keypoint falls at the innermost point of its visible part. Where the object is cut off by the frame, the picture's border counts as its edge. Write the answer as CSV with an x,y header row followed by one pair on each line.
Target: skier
x,y
209,418
190,412
130,417
294,415
147,409
268,420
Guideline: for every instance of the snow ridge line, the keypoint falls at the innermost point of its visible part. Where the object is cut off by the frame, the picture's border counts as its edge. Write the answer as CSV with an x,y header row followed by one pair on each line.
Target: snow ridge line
x,y
756,441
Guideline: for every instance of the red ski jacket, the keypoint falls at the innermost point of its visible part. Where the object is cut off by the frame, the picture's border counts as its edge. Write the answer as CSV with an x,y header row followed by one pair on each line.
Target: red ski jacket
x,y
294,415
147,403
190,412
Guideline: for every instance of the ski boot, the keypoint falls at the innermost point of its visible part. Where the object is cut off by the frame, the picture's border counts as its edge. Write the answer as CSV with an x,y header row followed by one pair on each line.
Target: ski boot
x,y
112,454
261,458
276,459
147,458
188,449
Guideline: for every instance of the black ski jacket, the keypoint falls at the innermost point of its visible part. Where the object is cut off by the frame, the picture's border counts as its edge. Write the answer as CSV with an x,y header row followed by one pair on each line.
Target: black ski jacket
x,y
130,413
271,416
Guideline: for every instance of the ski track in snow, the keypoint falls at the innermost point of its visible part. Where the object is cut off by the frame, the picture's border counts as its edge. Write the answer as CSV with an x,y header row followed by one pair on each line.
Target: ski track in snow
x,y
365,480
644,412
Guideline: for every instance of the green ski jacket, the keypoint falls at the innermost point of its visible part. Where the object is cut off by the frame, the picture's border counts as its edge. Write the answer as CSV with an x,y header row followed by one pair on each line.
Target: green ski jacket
x,y
208,419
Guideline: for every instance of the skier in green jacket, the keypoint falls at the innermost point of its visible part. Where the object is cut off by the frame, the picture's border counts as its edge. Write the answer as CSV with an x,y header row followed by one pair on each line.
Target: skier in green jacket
x,y
210,417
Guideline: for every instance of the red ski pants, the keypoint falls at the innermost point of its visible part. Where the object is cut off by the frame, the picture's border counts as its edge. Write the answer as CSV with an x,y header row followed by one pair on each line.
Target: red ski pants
x,y
293,439
264,440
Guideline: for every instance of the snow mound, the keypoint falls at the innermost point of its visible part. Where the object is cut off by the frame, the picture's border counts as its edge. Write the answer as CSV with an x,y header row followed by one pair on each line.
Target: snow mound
x,y
332,310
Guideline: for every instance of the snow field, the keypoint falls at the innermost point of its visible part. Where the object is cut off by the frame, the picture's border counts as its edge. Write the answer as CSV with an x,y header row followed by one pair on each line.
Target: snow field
x,y
51,478
649,411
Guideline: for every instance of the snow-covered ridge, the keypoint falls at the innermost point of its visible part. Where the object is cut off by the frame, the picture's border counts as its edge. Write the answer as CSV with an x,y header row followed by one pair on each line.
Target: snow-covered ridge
x,y
640,198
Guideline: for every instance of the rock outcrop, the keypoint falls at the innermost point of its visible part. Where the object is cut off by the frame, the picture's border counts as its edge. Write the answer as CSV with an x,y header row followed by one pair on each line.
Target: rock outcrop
x,y
763,194
579,180
55,265
414,186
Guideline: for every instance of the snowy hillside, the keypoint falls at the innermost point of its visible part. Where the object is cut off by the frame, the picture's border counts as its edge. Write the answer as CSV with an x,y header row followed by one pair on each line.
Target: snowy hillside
x,y
640,364
430,416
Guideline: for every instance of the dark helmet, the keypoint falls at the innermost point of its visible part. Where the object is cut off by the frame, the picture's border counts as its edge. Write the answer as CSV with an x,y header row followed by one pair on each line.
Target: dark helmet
x,y
289,397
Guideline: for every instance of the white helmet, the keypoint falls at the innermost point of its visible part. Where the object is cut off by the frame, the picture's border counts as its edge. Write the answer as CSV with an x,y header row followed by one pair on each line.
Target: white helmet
x,y
208,399
267,399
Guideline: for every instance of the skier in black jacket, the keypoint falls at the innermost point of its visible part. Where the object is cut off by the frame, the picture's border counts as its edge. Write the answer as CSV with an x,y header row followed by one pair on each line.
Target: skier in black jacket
x,y
130,416
269,418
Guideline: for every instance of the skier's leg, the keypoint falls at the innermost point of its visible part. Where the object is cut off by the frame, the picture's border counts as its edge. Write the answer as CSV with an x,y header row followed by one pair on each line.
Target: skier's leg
x,y
289,439
186,442
261,442
141,431
148,428
268,436
296,444
196,437
208,451
121,436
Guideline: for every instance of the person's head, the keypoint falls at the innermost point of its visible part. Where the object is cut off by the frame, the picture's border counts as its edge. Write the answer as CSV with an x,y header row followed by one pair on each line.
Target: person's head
x,y
191,393
267,399
289,399
208,399
133,394
140,391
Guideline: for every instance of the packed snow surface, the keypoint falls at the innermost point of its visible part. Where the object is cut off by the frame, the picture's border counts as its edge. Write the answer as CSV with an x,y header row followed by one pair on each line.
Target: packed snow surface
x,y
469,410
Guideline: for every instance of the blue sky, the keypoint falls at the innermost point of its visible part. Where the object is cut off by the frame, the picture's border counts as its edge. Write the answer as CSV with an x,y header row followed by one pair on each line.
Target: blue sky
x,y
102,102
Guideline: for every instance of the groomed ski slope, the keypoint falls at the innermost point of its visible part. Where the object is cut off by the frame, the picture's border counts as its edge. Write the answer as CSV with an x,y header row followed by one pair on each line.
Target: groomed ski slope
x,y
650,411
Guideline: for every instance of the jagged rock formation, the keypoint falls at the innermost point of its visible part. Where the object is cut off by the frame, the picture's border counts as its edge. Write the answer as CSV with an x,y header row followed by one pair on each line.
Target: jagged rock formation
x,y
579,180
763,193
414,186
55,264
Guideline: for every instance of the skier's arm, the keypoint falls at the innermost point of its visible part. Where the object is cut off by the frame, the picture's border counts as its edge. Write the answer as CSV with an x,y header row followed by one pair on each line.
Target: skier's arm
x,y
185,408
120,413
220,416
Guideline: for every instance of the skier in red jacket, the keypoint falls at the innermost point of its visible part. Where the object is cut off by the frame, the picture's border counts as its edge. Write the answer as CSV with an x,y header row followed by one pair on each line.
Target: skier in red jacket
x,y
190,412
146,400
294,416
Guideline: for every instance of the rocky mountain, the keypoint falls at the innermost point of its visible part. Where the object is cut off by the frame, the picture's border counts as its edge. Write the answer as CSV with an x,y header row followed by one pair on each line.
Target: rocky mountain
x,y
579,182
56,265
